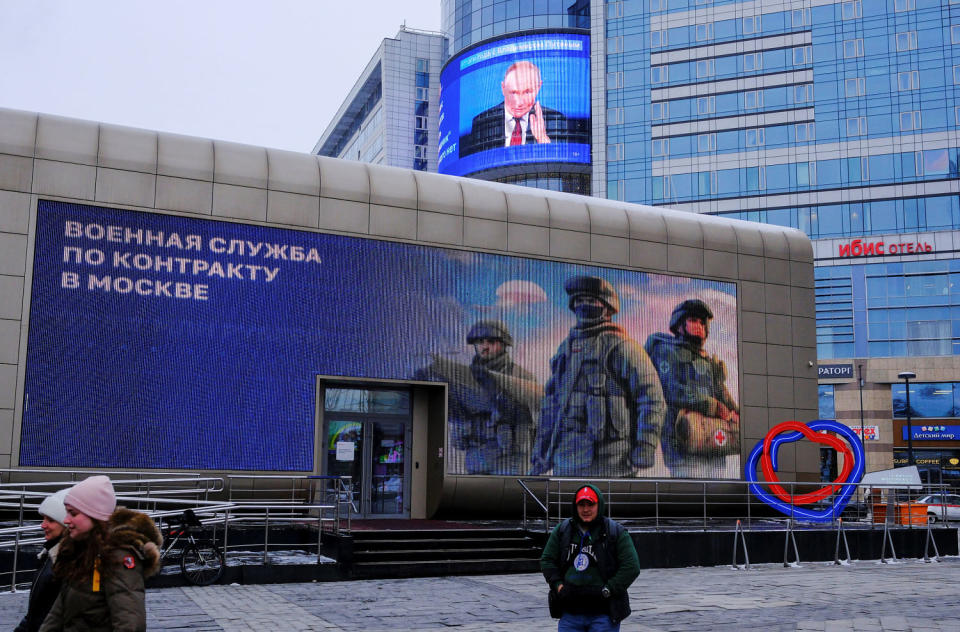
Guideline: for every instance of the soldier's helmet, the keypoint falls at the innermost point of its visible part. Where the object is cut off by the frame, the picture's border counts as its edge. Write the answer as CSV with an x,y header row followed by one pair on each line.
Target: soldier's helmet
x,y
493,329
686,309
594,287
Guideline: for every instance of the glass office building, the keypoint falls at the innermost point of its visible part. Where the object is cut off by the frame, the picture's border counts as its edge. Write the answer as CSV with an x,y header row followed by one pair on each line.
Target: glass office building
x,y
839,118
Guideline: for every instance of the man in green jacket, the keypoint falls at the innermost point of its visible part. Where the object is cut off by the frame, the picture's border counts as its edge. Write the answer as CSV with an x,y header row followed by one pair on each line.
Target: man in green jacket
x,y
589,562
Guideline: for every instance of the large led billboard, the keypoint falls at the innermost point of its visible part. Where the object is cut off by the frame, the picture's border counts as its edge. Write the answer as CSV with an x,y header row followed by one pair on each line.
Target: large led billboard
x,y
160,341
517,100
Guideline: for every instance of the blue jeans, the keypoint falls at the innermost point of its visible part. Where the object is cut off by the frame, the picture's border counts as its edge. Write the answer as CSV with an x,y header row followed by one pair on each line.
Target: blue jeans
x,y
587,623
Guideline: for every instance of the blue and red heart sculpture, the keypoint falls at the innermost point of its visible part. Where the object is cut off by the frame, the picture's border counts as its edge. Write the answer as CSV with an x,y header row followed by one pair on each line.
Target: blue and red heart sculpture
x,y
765,452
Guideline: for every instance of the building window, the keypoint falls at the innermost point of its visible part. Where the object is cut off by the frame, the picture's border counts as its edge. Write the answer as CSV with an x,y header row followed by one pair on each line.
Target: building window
x,y
661,187
850,10
615,10
752,61
615,152
421,122
753,99
800,17
660,111
420,151
423,65
658,5
803,94
805,132
956,115
802,55
910,121
707,182
615,45
755,137
423,94
852,48
705,68
614,116
706,105
854,87
857,126
955,34
909,80
657,38
661,147
904,5
704,32
956,74
658,74
614,80
825,408
706,142
907,40
752,25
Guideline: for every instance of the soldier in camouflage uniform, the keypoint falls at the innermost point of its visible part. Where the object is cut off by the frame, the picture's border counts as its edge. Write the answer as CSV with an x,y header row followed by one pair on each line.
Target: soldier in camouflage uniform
x,y
602,408
703,420
490,418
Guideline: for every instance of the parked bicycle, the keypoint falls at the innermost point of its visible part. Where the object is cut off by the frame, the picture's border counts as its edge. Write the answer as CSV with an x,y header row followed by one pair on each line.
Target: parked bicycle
x,y
201,561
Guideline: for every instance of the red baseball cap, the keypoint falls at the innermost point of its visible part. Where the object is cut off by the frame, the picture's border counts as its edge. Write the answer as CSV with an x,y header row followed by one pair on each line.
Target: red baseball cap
x,y
587,493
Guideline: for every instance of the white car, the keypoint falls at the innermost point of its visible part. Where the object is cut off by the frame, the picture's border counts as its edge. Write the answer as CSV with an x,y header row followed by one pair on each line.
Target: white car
x,y
942,506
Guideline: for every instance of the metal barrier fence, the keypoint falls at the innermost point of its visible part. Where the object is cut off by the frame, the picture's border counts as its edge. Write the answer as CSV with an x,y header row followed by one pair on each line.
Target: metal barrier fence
x,y
685,504
163,499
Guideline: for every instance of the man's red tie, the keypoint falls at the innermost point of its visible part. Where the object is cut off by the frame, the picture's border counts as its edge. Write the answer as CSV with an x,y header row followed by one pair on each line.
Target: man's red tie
x,y
517,137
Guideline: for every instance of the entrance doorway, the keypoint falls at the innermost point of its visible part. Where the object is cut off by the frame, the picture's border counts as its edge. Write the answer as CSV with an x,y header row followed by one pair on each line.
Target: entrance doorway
x,y
367,436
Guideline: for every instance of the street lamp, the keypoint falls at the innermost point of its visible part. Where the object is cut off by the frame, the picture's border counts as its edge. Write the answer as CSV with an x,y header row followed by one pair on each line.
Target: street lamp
x,y
906,376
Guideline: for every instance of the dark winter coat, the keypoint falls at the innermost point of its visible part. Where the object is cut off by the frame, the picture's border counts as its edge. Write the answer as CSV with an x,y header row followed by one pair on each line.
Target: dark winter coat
x,y
613,564
131,554
44,590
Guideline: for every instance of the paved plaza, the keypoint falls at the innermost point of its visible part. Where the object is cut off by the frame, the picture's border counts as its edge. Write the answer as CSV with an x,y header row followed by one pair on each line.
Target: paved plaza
x,y
909,595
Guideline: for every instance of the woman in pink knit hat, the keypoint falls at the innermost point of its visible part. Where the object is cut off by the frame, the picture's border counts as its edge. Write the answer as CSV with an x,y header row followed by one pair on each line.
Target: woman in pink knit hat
x,y
103,563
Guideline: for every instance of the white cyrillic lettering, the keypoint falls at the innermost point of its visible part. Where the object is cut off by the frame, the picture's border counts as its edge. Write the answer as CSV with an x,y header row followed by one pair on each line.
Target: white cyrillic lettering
x,y
235,246
162,288
142,262
254,248
130,236
217,244
182,290
199,265
143,287
69,280
93,256
72,250
193,243
123,285
72,229
182,263
173,241
275,251
296,253
253,271
271,274
93,283
115,234
154,238
233,271
164,263
93,231
313,255
200,291
215,269
121,260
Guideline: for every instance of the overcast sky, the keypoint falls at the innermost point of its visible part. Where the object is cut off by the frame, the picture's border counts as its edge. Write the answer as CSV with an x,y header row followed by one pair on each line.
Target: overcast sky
x,y
269,73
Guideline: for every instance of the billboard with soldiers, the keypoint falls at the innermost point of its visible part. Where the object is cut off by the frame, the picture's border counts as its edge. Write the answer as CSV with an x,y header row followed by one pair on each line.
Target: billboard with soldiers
x,y
161,341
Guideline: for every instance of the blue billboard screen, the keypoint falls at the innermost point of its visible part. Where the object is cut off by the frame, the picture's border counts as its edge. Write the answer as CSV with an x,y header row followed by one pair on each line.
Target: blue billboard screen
x,y
514,101
161,341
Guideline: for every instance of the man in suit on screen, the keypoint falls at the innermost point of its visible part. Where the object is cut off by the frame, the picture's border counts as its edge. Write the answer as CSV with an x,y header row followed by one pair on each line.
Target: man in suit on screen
x,y
520,119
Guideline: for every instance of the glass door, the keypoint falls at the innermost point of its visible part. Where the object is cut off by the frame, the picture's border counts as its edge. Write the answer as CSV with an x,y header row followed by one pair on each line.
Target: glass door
x,y
367,438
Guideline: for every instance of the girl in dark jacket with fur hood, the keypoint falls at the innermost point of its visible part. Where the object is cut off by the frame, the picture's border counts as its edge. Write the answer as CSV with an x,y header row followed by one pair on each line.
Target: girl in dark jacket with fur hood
x,y
104,562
